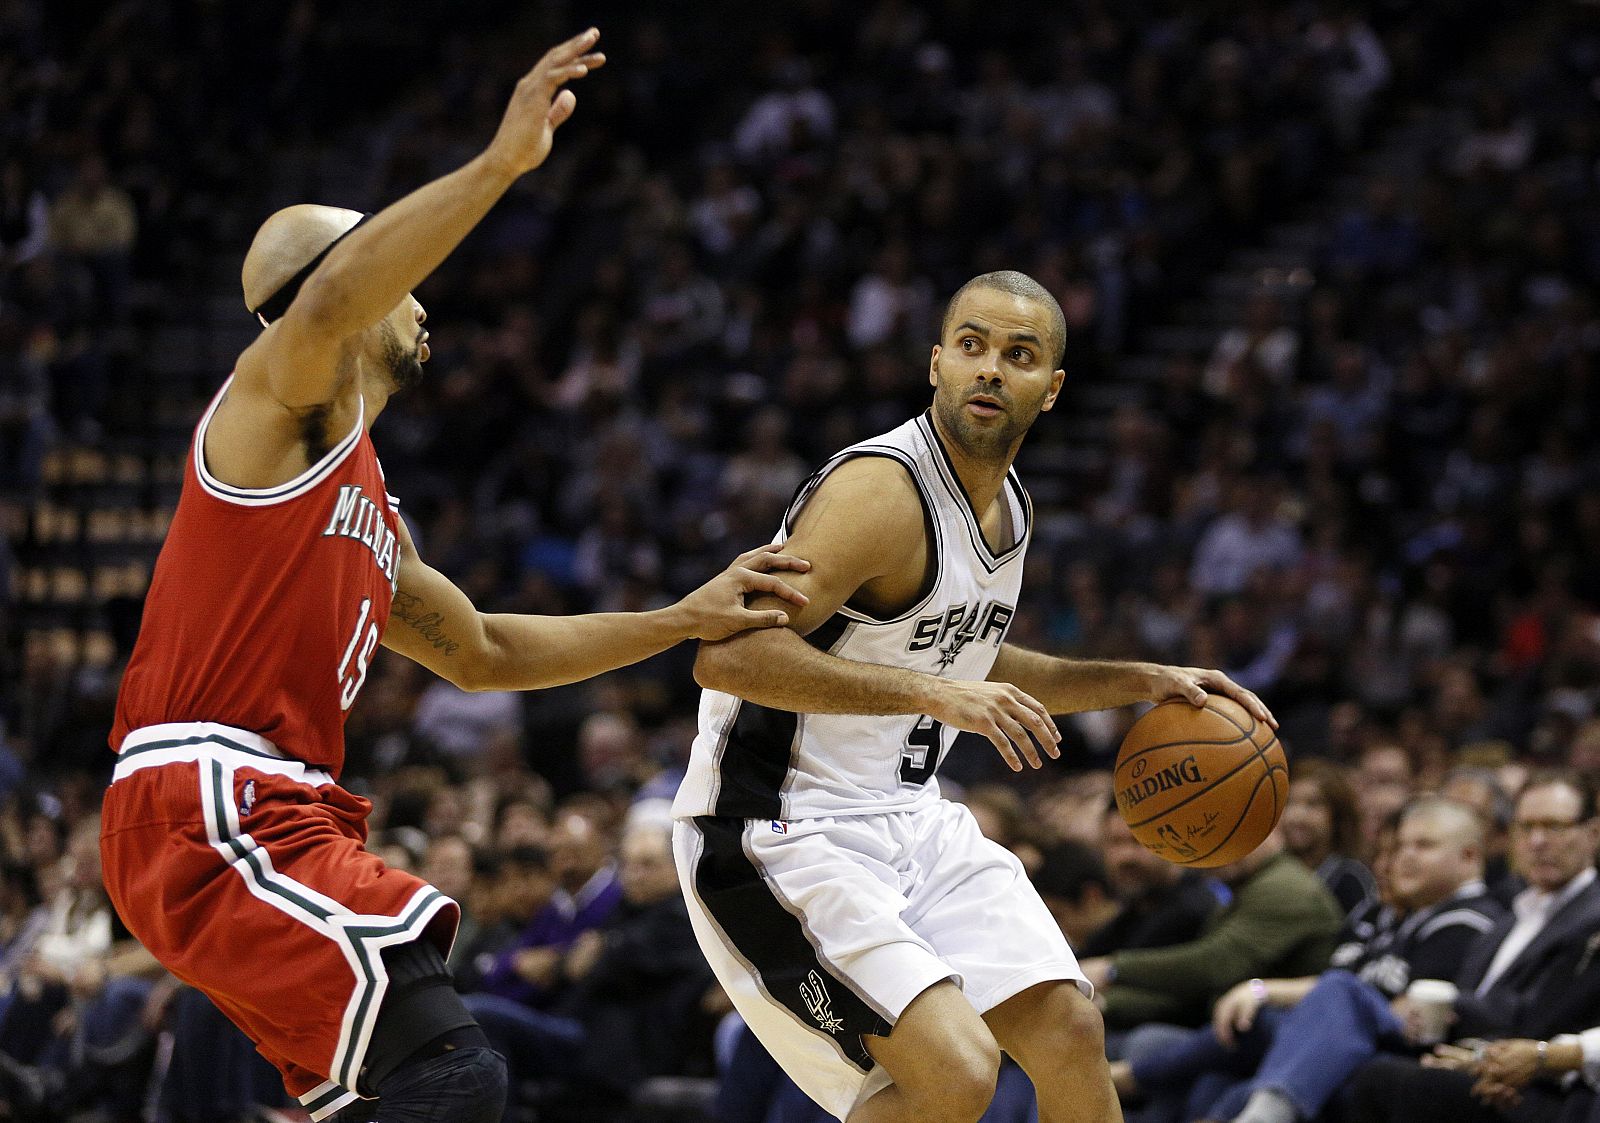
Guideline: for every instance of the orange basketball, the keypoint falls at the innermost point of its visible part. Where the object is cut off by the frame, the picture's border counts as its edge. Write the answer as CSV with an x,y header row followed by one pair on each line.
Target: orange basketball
x,y
1201,787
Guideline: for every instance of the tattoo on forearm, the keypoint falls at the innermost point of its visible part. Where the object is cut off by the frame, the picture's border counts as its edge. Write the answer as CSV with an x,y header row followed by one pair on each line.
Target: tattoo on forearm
x,y
410,608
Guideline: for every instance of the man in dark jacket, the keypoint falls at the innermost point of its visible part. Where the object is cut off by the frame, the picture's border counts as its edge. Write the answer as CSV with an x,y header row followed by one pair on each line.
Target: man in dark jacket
x,y
639,981
1160,904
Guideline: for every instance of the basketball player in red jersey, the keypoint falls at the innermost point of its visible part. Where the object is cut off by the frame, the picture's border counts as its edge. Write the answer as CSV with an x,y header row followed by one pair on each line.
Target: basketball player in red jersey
x,y
230,850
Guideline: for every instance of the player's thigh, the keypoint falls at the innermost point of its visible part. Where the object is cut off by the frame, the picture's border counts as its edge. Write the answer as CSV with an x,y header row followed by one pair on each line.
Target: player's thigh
x,y
940,1044
974,904
802,928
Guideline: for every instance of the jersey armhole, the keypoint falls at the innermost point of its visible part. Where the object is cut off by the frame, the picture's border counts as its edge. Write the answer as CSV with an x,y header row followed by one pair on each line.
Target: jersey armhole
x,y
281,493
930,520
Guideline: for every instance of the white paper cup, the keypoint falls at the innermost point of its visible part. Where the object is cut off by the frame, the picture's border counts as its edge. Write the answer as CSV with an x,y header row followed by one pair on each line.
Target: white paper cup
x,y
1434,1000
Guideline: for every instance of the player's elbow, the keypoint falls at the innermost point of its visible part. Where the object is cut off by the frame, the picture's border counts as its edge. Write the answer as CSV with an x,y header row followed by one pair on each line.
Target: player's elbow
x,y
476,666
473,680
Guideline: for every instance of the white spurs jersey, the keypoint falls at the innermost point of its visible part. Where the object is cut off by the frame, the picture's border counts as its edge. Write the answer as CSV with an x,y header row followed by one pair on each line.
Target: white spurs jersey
x,y
752,762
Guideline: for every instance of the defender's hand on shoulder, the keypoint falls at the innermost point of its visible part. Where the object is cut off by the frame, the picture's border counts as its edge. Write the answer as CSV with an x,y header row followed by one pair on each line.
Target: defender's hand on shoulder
x,y
863,524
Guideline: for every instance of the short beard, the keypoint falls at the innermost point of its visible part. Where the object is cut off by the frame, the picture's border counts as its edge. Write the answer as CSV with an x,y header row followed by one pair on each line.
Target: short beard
x,y
981,442
405,367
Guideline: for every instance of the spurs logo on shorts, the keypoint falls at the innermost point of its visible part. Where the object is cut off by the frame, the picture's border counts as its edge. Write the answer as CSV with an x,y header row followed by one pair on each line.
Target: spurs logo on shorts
x,y
814,992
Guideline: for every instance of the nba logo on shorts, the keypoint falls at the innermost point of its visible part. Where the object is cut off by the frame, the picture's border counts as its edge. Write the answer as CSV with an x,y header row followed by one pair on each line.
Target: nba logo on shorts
x,y
247,798
779,827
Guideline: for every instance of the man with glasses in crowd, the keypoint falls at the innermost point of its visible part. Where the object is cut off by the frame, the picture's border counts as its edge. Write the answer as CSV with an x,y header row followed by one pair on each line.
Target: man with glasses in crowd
x,y
1536,974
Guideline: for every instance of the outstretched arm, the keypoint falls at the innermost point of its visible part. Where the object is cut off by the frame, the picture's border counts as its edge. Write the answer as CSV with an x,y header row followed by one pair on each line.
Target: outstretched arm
x,y
1069,686
369,272
863,530
433,623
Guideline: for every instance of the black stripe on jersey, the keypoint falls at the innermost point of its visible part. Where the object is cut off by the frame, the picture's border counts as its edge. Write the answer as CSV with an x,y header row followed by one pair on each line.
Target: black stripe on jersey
x,y
802,494
754,762
827,635
773,941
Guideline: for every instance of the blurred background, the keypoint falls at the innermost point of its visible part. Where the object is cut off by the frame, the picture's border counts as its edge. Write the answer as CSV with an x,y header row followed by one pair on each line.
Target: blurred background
x,y
1328,272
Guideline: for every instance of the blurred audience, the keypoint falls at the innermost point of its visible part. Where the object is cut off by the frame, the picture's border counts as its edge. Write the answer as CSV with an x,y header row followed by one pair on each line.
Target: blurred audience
x,y
1362,484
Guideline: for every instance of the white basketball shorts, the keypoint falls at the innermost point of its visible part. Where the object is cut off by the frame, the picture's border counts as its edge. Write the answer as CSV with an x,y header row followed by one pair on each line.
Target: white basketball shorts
x,y
822,930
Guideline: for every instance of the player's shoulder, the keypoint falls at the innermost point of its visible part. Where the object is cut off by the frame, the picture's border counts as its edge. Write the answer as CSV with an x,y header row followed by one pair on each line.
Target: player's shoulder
x,y
872,490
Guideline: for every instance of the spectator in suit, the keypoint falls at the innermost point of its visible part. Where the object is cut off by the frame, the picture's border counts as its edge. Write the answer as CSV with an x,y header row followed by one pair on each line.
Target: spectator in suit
x,y
1531,1080
532,971
1302,1038
1532,976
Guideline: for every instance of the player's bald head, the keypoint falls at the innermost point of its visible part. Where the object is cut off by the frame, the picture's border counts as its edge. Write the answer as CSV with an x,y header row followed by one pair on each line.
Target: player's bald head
x,y
286,243
1017,284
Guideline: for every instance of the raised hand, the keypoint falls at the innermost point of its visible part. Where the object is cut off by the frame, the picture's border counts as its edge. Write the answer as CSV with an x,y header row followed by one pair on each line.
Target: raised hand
x,y
716,610
1193,684
540,106
1002,713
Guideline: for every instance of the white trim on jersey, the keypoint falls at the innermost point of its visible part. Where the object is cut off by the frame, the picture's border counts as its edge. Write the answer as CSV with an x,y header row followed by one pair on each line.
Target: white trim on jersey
x,y
929,509
281,493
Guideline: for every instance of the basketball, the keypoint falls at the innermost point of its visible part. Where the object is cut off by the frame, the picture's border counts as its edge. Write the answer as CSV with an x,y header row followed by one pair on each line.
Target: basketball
x,y
1201,787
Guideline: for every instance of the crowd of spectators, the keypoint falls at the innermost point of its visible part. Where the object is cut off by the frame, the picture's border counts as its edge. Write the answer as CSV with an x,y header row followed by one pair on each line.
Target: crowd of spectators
x,y
1372,500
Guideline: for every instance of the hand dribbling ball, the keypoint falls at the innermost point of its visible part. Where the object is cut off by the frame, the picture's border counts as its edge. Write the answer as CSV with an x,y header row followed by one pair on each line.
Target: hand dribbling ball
x,y
1201,786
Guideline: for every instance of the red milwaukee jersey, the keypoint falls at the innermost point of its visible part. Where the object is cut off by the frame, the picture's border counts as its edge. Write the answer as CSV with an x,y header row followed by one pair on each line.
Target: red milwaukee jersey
x,y
266,605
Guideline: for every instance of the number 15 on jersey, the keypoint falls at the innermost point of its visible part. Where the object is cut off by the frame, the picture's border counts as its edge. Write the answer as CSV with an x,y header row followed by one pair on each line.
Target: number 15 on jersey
x,y
352,677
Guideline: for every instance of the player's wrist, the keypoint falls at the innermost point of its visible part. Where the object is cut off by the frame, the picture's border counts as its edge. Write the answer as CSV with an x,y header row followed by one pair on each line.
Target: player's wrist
x,y
496,167
677,621
1150,682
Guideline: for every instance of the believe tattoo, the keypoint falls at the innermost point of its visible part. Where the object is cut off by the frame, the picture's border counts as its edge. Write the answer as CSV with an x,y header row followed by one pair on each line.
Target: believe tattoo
x,y
410,609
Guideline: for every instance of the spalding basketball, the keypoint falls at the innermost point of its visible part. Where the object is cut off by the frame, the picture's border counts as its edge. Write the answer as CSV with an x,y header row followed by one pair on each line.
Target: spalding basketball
x,y
1201,786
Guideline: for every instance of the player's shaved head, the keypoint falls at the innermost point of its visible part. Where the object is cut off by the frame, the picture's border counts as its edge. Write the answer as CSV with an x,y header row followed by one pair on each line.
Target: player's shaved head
x,y
1017,284
286,242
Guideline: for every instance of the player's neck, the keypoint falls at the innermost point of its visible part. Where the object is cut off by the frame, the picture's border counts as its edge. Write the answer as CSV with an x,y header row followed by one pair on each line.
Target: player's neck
x,y
375,391
981,475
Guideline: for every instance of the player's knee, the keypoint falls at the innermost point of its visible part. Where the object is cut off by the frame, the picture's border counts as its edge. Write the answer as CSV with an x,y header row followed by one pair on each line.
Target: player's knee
x,y
461,1086
1069,1029
960,1084
972,1082
1080,1030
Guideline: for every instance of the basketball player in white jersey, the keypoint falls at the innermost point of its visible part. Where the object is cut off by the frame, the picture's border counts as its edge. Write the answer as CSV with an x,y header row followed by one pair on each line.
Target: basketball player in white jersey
x,y
883,951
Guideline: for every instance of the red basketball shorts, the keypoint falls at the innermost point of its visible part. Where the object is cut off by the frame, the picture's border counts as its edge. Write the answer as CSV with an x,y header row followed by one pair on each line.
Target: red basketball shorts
x,y
243,871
